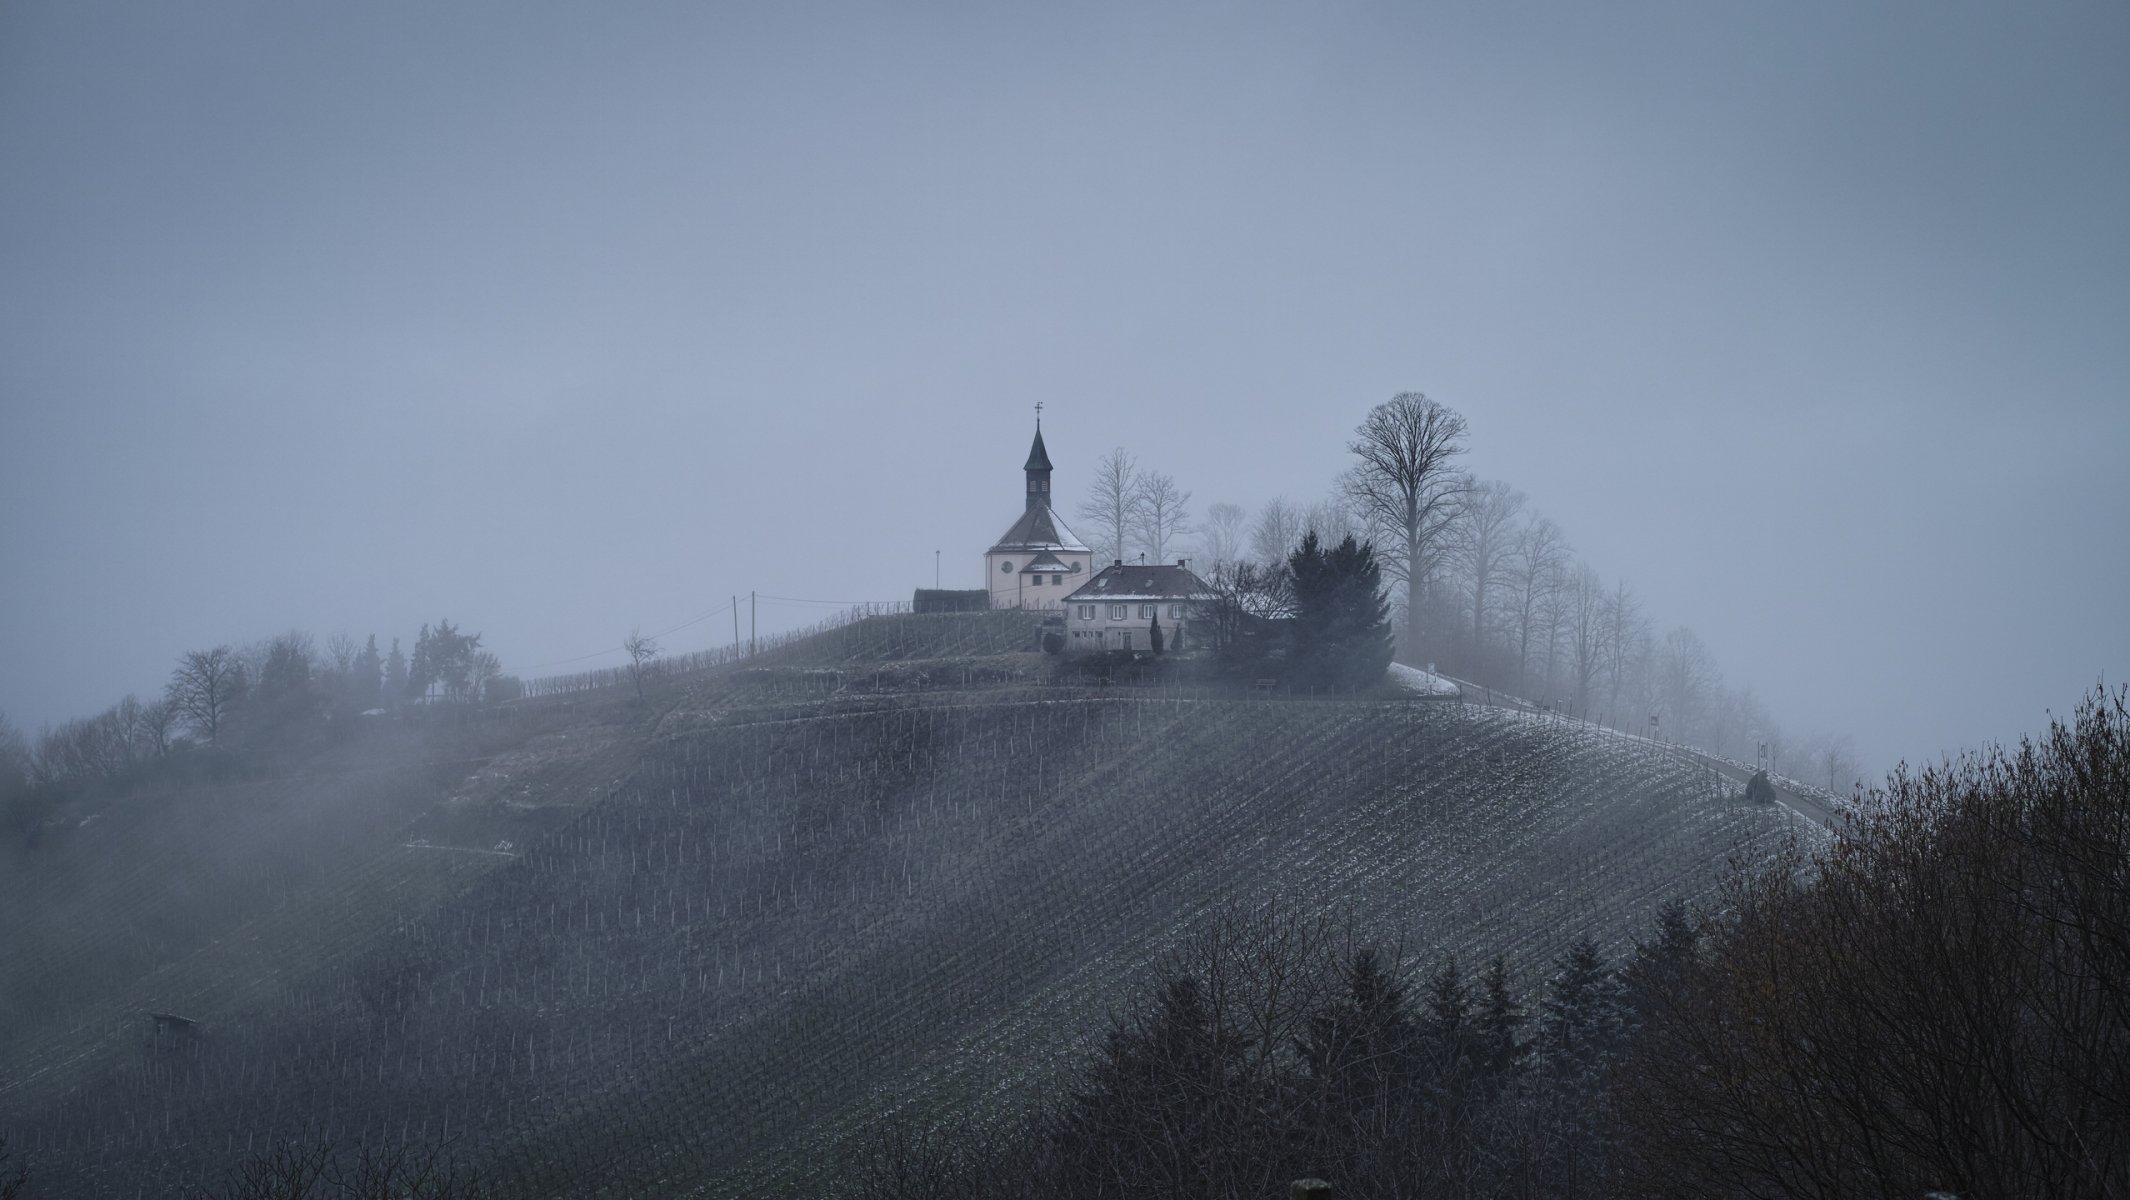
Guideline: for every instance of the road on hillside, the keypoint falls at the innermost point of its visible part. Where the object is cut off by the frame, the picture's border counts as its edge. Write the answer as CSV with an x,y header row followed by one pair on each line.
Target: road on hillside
x,y
1816,811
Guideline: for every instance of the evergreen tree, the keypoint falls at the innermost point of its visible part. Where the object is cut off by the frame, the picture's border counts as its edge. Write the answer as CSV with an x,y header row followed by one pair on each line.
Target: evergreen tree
x,y
420,673
366,680
1153,634
1342,621
396,673
1361,1060
1450,1033
1362,1046
1656,978
1580,1019
1501,1018
1581,1027
1167,1092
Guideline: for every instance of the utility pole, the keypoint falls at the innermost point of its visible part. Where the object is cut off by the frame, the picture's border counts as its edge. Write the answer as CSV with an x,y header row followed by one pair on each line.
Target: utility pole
x,y
935,570
735,623
750,624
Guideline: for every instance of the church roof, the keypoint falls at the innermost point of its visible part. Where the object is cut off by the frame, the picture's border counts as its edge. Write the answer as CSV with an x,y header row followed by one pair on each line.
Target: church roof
x,y
1038,458
1119,581
1038,529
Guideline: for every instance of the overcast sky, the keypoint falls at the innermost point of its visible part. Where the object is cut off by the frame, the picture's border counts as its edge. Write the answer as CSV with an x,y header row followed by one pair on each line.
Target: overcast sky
x,y
1812,321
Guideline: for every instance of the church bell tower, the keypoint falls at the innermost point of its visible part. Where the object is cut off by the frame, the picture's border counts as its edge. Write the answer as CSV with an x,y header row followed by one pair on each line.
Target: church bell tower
x,y
1038,469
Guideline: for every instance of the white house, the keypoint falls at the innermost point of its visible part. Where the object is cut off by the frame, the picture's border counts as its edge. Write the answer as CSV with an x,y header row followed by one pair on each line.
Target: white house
x,y
1038,560
1116,610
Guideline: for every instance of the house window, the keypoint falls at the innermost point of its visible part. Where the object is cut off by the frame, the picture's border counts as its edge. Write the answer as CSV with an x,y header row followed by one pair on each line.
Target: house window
x,y
1146,612
1117,611
1127,640
1176,612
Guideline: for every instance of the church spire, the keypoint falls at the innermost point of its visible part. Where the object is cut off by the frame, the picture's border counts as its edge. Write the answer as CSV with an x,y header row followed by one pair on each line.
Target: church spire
x,y
1038,467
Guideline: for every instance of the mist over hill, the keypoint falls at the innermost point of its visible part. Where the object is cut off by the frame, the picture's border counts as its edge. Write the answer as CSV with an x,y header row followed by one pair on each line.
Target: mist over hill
x,y
709,941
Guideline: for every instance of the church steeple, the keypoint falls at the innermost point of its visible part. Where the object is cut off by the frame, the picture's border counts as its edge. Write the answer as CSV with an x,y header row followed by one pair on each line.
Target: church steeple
x,y
1038,467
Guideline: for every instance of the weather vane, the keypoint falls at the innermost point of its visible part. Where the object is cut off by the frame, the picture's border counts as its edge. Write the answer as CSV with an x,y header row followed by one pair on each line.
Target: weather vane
x,y
1039,414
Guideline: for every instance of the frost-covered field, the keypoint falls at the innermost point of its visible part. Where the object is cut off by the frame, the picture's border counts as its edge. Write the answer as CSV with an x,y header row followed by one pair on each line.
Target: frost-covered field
x,y
808,902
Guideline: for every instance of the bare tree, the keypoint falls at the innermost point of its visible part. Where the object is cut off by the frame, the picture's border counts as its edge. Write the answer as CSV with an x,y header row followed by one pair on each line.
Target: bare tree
x,y
1688,680
154,725
1937,1002
1333,520
204,688
1221,534
1163,514
641,651
1112,505
1553,615
1483,538
482,668
342,652
1277,528
1534,568
1405,488
1586,630
1624,631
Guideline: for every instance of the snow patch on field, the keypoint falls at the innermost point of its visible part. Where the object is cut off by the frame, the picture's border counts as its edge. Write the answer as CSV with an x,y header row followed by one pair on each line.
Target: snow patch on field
x,y
1413,679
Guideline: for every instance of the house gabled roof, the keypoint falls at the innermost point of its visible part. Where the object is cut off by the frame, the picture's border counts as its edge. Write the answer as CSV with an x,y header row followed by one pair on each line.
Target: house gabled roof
x,y
1120,581
1038,529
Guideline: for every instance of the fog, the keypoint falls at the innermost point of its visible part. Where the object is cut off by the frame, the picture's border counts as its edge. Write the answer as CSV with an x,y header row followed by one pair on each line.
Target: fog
x,y
560,321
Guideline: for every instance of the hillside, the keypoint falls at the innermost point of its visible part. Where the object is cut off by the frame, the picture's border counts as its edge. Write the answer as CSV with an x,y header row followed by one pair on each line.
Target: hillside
x,y
698,946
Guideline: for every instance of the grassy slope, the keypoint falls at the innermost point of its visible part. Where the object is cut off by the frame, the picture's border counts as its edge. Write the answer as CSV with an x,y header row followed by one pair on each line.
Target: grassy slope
x,y
878,871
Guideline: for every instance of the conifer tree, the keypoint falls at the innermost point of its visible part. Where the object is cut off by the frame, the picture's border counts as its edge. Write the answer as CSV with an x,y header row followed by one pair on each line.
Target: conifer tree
x,y
1501,1019
1342,621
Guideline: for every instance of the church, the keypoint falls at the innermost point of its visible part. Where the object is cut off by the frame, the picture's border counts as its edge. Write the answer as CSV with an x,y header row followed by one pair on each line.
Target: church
x,y
1038,561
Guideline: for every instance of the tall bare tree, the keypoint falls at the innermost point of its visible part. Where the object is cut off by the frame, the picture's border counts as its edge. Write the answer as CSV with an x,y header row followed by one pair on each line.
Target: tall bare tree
x,y
1625,629
1221,533
1111,509
1586,630
1483,538
1273,535
1163,514
204,688
1534,568
1406,488
1689,683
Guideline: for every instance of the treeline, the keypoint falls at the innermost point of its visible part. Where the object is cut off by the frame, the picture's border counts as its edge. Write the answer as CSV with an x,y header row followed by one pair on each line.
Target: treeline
x,y
229,706
1275,1049
1936,1003
1485,586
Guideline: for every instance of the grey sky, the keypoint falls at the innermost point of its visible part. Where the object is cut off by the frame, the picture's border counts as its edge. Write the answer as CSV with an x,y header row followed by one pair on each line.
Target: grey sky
x,y
1811,320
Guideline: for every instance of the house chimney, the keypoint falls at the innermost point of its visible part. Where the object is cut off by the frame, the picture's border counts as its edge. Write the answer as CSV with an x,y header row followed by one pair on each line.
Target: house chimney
x,y
1185,563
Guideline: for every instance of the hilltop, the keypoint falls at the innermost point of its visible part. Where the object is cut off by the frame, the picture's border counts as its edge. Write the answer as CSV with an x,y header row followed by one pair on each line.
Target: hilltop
x,y
706,943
